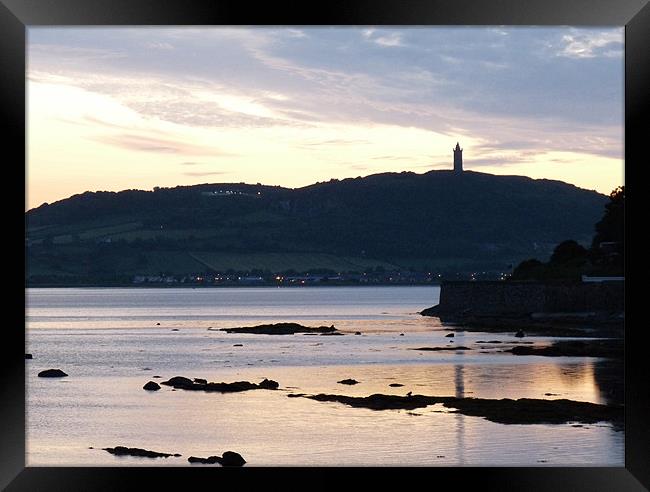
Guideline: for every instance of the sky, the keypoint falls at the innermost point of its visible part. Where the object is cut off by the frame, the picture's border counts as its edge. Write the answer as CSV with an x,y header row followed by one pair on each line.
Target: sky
x,y
110,109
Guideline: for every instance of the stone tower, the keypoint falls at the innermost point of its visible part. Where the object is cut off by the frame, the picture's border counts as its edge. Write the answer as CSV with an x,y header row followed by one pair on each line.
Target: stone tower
x,y
458,159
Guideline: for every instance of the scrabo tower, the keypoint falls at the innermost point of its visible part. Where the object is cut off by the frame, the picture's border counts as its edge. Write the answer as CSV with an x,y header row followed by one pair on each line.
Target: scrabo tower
x,y
458,159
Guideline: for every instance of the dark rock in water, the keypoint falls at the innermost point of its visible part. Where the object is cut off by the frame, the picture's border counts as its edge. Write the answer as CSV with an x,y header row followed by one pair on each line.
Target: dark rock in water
x,y
401,334
174,329
28,356
395,385
280,329
432,311
348,381
450,335
52,373
357,333
612,348
151,386
157,324
296,395
180,382
435,349
334,333
145,453
156,377
210,460
238,345
504,411
229,458
269,384
519,334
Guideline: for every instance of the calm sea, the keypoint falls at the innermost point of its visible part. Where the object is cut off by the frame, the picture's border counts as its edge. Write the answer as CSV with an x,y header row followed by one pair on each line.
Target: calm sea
x,y
111,341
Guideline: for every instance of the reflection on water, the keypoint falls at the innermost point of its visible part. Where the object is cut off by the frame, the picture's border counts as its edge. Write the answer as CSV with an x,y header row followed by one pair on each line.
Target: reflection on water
x,y
109,356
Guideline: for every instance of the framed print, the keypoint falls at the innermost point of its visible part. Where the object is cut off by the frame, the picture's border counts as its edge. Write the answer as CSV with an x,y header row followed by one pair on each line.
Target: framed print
x,y
358,236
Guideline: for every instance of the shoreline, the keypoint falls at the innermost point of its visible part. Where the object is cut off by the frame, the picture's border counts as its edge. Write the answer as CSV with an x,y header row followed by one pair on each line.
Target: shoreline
x,y
199,286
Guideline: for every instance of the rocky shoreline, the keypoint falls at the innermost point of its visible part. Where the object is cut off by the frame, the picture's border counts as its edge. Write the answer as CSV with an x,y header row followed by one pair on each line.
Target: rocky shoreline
x,y
198,384
504,411
282,329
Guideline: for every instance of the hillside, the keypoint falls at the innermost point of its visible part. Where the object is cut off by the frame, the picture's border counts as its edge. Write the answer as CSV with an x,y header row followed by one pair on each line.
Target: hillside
x,y
437,220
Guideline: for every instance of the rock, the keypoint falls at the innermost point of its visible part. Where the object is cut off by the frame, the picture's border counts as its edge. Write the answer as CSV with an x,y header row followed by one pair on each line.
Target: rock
x,y
52,373
432,311
434,349
281,329
611,348
145,453
450,335
357,333
334,333
230,458
28,356
238,345
504,411
395,385
151,386
180,382
174,329
157,377
269,384
157,324
401,334
519,334
210,460
348,381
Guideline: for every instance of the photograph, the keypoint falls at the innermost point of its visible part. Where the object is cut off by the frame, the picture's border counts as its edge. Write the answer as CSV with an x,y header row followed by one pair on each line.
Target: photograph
x,y
445,204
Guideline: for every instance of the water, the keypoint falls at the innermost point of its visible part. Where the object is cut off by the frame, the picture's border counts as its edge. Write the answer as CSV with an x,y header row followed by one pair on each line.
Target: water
x,y
110,343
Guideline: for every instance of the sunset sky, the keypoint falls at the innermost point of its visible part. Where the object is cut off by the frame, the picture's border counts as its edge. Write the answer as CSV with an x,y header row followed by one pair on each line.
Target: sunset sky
x,y
124,108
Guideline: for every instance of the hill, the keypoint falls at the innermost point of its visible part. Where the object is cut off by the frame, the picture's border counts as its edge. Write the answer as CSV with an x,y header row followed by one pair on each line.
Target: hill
x,y
433,221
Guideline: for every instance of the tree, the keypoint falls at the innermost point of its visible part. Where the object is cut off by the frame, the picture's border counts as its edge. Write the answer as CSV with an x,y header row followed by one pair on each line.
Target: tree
x,y
568,251
608,246
528,269
611,227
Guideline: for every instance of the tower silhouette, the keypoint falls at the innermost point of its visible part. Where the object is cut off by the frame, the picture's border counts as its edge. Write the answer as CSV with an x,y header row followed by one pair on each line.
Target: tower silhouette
x,y
458,159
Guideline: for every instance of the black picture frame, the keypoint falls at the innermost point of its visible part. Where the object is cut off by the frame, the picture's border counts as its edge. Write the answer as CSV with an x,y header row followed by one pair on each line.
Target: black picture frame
x,y
17,15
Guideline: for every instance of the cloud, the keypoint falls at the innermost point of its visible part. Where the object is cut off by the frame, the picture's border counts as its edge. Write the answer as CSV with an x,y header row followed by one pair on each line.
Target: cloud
x,y
336,142
296,33
210,173
160,46
383,38
392,39
158,145
591,45
65,55
510,89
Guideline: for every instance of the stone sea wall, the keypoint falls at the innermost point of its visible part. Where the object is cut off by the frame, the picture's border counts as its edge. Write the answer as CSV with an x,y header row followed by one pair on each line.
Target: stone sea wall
x,y
523,298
